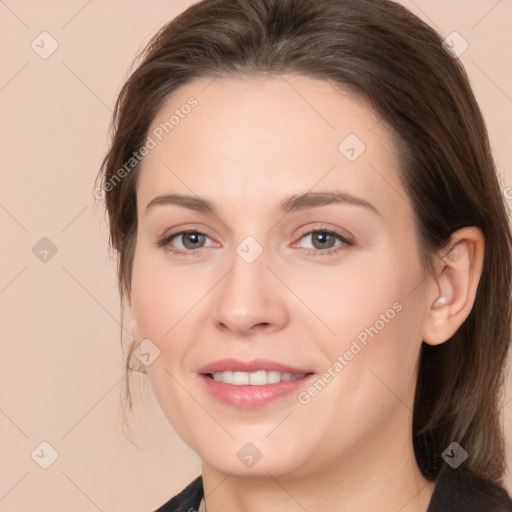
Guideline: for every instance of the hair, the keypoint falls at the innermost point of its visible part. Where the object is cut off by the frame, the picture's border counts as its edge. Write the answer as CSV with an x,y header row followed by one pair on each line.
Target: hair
x,y
380,51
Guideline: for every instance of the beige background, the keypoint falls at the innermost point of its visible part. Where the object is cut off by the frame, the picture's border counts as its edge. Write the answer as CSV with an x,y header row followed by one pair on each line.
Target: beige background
x,y
61,374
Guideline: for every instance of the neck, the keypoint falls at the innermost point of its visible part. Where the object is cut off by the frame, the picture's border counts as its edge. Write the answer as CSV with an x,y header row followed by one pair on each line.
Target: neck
x,y
380,473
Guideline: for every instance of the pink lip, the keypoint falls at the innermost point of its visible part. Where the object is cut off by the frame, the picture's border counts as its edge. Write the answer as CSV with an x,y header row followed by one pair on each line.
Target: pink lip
x,y
233,365
247,396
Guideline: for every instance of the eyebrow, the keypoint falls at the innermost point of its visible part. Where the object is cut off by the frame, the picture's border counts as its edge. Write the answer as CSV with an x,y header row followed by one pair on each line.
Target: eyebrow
x,y
291,204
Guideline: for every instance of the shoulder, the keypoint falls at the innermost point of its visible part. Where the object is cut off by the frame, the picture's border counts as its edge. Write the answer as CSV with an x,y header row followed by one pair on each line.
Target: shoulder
x,y
187,500
457,490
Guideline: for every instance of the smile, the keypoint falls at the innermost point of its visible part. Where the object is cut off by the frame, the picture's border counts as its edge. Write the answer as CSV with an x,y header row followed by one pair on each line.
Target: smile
x,y
252,384
257,378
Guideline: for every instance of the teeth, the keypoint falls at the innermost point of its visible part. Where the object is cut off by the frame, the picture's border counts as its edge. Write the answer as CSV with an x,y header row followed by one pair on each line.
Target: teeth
x,y
258,378
239,378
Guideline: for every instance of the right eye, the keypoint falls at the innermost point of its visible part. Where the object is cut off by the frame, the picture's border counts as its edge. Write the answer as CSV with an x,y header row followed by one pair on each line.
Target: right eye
x,y
190,239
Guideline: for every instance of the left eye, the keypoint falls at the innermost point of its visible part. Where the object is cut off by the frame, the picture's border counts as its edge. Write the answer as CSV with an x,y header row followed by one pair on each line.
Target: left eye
x,y
324,239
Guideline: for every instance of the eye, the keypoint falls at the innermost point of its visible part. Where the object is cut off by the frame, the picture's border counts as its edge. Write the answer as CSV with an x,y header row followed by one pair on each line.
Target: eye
x,y
192,242
324,240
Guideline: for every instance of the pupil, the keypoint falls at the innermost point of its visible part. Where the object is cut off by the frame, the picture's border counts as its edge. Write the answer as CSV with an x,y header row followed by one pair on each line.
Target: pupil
x,y
322,235
191,236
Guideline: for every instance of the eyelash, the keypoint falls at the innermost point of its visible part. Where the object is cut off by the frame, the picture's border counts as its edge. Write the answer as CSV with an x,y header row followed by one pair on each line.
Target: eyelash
x,y
163,242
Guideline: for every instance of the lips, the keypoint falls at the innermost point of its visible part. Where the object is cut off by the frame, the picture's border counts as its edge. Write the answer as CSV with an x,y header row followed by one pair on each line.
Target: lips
x,y
254,395
235,365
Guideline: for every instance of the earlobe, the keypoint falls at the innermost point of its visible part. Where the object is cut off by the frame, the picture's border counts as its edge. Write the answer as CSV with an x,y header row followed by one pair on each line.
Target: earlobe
x,y
455,281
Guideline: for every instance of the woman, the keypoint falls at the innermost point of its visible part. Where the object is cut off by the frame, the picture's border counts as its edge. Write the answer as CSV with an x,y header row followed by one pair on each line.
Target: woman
x,y
361,375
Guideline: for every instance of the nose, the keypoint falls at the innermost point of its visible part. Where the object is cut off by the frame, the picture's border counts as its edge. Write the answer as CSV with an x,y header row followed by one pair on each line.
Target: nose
x,y
250,299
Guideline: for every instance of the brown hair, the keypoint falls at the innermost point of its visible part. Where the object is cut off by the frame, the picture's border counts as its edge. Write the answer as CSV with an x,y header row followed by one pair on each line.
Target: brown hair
x,y
381,51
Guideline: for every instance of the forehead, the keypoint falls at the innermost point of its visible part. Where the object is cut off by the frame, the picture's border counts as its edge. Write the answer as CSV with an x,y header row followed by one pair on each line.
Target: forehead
x,y
255,137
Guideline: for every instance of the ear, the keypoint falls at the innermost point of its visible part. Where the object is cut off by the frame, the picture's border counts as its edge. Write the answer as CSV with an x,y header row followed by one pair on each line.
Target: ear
x,y
455,281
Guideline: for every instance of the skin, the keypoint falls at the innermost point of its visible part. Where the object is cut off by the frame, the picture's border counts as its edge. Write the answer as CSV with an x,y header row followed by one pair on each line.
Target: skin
x,y
249,144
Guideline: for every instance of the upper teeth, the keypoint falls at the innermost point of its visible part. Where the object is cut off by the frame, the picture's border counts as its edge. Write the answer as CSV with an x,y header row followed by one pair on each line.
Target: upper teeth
x,y
257,378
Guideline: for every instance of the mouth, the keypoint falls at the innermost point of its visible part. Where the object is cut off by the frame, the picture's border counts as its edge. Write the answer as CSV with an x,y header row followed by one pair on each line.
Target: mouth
x,y
257,378
253,384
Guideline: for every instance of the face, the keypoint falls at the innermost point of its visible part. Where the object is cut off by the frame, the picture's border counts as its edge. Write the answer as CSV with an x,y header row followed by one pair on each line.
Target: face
x,y
329,286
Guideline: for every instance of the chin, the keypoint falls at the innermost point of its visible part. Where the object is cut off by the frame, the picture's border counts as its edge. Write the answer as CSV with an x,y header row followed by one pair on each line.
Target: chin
x,y
255,459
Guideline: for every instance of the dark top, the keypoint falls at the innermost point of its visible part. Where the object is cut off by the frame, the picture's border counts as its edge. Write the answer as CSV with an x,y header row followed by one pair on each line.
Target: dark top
x,y
454,491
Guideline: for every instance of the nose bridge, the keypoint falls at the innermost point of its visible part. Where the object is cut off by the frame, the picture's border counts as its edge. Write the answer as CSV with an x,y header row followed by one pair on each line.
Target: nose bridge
x,y
250,294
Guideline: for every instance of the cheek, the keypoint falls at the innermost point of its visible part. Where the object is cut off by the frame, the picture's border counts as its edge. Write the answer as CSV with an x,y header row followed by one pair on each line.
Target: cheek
x,y
377,320
161,296
371,368
160,303
370,298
